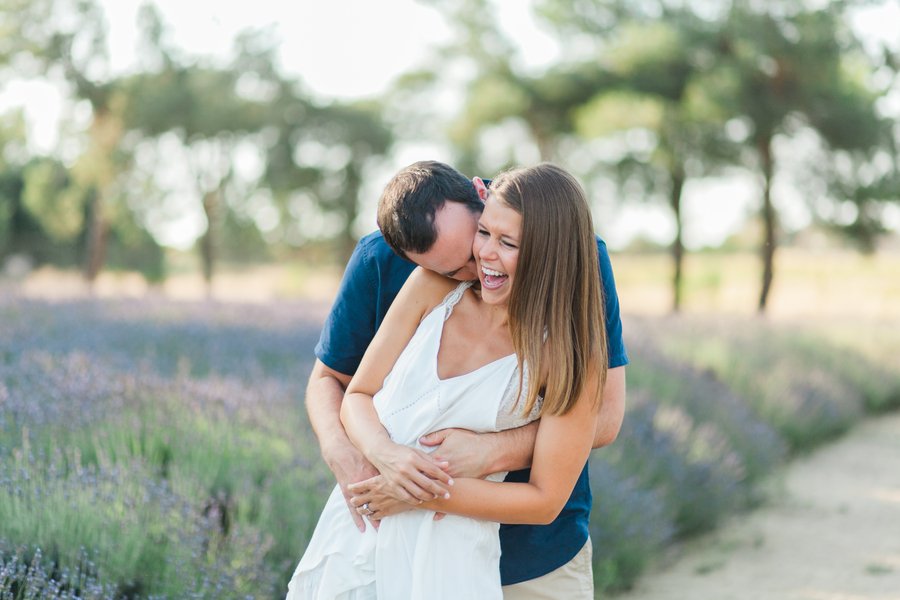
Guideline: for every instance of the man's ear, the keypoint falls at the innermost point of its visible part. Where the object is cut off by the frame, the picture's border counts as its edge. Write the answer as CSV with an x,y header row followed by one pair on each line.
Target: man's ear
x,y
480,188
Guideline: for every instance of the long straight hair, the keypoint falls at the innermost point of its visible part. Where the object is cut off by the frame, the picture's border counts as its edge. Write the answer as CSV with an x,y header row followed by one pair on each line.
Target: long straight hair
x,y
555,308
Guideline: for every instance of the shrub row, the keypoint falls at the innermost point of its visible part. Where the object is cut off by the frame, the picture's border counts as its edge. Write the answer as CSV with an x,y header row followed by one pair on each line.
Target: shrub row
x,y
713,406
160,450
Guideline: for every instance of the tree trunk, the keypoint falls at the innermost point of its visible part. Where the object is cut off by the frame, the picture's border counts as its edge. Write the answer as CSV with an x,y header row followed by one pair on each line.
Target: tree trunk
x,y
97,236
350,207
677,244
546,147
105,133
208,241
769,221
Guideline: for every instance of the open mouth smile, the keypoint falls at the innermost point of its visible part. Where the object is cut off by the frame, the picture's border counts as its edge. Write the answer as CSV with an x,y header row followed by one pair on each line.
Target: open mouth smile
x,y
493,279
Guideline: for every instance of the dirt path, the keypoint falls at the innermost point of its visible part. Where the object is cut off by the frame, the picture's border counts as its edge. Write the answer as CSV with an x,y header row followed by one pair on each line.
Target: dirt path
x,y
833,533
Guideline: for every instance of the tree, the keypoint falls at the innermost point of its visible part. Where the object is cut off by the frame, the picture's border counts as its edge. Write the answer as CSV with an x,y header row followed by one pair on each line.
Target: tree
x,y
643,75
661,78
204,108
792,68
321,154
66,38
773,68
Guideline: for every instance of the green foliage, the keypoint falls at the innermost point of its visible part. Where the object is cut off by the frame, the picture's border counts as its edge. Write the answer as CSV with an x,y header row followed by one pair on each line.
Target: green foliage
x,y
617,111
10,191
709,85
196,112
653,58
52,200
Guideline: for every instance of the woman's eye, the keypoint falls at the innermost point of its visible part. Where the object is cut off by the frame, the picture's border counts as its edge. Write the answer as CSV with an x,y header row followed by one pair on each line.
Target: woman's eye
x,y
482,231
509,245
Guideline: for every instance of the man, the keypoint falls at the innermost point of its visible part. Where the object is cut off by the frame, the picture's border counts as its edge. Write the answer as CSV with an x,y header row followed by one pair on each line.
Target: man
x,y
428,216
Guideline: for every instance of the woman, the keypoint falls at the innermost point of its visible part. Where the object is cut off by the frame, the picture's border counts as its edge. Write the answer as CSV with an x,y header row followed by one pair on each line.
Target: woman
x,y
529,343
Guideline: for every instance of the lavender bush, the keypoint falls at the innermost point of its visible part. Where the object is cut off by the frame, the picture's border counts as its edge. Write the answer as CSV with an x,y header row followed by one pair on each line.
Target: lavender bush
x,y
169,441
800,380
151,449
630,524
24,578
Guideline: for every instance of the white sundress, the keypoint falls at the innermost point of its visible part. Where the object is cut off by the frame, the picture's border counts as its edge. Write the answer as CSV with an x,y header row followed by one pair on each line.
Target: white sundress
x,y
411,556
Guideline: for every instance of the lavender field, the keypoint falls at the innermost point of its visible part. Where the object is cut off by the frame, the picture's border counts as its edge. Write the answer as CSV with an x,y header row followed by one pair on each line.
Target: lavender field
x,y
151,449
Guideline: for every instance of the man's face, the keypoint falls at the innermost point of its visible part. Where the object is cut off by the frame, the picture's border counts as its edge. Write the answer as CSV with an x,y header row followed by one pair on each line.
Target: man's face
x,y
451,255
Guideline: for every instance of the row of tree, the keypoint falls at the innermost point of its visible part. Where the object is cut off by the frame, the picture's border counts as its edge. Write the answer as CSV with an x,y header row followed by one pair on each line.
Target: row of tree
x,y
649,95
657,92
119,180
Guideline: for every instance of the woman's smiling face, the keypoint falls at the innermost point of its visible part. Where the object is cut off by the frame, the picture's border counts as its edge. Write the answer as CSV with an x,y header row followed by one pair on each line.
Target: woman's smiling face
x,y
496,249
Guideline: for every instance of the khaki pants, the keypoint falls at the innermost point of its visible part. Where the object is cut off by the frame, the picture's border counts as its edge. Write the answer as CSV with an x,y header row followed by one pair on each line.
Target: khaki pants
x,y
572,581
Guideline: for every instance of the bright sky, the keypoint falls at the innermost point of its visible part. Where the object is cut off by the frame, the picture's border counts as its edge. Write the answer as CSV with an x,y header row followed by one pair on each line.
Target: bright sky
x,y
353,48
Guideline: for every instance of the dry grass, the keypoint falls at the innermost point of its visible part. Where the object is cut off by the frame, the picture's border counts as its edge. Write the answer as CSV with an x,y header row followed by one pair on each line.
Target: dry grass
x,y
255,285
825,284
808,284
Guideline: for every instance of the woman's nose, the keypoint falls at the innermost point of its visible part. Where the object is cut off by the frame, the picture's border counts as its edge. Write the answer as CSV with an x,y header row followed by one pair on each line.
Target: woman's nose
x,y
487,249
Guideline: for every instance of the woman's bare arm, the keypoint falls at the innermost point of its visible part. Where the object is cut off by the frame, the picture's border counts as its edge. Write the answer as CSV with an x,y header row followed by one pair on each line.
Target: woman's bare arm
x,y
561,449
413,475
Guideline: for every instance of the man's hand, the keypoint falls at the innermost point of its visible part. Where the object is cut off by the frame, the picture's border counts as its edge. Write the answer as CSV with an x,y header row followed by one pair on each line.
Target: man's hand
x,y
468,454
350,466
477,455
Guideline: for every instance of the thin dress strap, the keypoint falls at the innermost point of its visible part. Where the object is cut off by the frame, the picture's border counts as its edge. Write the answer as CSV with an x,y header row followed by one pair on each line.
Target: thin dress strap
x,y
453,298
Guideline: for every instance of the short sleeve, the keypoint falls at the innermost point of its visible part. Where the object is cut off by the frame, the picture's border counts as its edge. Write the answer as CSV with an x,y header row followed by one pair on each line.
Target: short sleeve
x,y
351,324
615,342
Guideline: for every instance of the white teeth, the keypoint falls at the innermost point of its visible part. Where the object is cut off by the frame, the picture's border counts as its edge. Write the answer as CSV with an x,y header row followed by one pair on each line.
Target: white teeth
x,y
491,272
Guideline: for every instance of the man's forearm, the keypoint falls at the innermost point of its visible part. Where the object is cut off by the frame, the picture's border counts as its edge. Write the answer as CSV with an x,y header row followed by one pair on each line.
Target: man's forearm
x,y
612,411
324,395
514,448
477,455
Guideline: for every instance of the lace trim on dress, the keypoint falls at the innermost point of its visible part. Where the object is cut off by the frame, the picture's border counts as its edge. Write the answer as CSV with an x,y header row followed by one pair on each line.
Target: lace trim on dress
x,y
453,298
509,414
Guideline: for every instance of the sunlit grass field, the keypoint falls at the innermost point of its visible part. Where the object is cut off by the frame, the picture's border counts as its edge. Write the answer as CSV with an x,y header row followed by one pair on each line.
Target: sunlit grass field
x,y
827,283
152,448
808,284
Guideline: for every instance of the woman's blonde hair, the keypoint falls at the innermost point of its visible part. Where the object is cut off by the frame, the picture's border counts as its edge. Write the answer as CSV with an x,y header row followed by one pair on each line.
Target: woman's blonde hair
x,y
555,306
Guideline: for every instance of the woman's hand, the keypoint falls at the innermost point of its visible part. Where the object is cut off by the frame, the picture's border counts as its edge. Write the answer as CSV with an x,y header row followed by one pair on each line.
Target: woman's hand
x,y
371,500
410,475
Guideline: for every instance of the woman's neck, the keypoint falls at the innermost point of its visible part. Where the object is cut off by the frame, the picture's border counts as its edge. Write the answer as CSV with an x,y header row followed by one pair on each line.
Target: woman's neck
x,y
496,315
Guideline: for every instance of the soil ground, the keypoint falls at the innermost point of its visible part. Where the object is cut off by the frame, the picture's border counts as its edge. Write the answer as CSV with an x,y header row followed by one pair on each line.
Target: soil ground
x,y
830,532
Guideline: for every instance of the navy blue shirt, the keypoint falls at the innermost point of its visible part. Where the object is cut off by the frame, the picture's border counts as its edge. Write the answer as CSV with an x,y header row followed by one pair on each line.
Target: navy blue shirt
x,y
371,281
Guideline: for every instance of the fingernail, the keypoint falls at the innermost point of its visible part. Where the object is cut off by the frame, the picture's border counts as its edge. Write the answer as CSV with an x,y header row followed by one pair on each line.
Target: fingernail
x,y
447,496
451,482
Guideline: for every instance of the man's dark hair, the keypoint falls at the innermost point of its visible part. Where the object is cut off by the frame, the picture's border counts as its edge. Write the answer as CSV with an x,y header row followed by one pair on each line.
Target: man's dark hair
x,y
411,198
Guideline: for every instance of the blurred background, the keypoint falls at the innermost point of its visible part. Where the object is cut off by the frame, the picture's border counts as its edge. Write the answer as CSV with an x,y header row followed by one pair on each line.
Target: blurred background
x,y
740,156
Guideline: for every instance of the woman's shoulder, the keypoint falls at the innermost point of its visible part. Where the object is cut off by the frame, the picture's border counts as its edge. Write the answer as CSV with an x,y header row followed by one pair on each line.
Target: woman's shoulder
x,y
430,282
427,289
